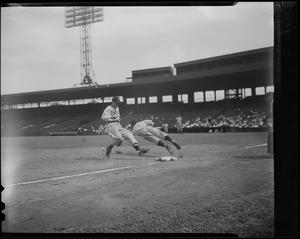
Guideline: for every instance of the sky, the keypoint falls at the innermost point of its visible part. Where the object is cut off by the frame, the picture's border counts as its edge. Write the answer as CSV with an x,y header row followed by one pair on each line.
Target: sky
x,y
38,53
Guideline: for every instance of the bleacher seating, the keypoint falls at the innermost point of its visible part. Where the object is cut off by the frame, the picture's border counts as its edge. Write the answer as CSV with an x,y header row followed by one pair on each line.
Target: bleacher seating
x,y
249,112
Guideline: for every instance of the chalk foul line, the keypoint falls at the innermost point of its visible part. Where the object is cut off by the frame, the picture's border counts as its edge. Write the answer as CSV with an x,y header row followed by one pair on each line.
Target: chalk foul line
x,y
103,171
255,146
68,176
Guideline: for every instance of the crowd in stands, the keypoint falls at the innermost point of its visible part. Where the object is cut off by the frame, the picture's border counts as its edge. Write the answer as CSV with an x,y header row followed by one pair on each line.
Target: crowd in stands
x,y
251,113
234,118
252,119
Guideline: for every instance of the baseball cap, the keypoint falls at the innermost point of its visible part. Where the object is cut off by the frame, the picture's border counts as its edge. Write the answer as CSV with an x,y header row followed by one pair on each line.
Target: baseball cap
x,y
133,122
116,99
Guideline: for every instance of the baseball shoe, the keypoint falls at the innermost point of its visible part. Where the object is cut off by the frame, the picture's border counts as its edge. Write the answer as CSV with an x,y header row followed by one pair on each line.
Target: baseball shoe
x,y
143,151
119,144
176,145
169,149
108,151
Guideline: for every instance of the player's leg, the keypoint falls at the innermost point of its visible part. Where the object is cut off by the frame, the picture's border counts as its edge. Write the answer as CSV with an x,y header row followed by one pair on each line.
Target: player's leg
x,y
180,128
168,138
132,140
148,135
161,135
113,131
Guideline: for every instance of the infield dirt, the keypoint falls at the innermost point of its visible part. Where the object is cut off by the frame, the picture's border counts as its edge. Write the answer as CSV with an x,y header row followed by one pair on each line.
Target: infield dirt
x,y
58,184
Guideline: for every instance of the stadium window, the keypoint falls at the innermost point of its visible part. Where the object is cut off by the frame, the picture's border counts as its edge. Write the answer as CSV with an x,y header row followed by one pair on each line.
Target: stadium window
x,y
107,99
153,99
130,101
260,90
248,92
88,101
220,95
78,102
270,89
141,100
34,105
183,98
209,96
179,98
61,102
99,100
198,97
167,98
28,105
43,104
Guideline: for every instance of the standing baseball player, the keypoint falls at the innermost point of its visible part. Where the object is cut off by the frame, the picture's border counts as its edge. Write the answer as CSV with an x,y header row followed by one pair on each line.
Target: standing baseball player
x,y
111,116
165,127
146,130
179,124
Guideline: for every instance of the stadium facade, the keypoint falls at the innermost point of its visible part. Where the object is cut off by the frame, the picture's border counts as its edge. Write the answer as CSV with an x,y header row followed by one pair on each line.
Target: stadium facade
x,y
234,76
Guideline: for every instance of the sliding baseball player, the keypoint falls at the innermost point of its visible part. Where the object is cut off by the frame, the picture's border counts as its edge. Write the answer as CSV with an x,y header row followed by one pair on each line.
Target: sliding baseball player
x,y
146,130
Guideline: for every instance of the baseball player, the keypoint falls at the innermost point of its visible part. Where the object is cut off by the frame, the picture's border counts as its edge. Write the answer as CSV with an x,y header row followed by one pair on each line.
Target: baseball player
x,y
111,116
165,127
101,130
179,124
146,130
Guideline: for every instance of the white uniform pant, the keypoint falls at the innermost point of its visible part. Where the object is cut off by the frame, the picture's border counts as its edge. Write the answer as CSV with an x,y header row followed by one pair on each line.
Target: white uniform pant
x,y
152,134
118,133
179,127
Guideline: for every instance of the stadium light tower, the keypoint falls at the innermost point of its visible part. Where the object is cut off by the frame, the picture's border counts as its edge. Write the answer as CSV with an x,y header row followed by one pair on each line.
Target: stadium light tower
x,y
84,17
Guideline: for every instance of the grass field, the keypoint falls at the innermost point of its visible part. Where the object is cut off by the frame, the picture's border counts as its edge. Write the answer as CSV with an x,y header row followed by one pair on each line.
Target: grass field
x,y
224,183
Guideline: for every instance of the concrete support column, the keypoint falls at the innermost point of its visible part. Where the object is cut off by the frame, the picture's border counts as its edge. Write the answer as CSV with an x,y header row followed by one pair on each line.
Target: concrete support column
x,y
69,109
191,97
159,99
253,92
38,111
175,98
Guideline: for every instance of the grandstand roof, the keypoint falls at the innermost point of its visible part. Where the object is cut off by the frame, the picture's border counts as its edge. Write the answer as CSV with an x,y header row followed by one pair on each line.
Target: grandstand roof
x,y
234,77
152,69
227,56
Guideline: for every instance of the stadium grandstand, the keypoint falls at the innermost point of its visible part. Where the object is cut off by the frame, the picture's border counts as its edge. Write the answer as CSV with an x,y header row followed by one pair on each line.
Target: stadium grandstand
x,y
220,94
